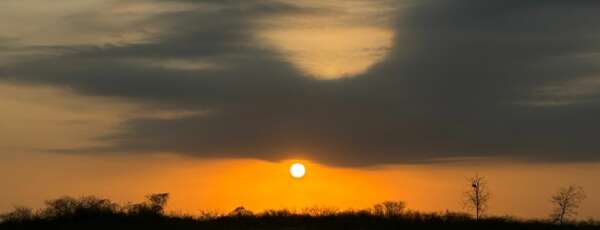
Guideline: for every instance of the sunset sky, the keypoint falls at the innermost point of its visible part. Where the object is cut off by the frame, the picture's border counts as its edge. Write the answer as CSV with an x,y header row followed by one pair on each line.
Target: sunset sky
x,y
213,100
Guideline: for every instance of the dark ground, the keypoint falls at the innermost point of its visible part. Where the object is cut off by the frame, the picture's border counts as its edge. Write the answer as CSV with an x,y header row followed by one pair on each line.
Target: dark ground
x,y
95,213
338,221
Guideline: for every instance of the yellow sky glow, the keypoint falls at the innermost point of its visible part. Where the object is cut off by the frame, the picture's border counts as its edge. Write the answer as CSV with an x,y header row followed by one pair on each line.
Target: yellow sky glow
x,y
221,185
332,53
346,41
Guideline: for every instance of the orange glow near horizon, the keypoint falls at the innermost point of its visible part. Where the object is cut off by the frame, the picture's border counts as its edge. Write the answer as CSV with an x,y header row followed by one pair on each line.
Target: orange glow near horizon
x,y
261,185
219,186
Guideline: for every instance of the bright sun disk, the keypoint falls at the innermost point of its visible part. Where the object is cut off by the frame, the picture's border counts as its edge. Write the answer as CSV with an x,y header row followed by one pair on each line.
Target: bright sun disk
x,y
297,170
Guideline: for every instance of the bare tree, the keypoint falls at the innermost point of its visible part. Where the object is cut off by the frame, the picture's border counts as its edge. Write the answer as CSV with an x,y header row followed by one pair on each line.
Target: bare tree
x,y
477,197
566,201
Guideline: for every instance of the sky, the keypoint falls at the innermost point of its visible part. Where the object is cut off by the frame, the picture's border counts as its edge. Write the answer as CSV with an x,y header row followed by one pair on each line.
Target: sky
x,y
212,100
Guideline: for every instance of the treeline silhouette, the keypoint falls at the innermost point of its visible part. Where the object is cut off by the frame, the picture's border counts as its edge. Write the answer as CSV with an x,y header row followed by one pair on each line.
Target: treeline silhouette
x,y
91,212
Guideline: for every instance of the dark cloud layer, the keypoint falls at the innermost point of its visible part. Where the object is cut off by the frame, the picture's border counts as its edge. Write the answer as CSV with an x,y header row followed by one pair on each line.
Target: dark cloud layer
x,y
465,78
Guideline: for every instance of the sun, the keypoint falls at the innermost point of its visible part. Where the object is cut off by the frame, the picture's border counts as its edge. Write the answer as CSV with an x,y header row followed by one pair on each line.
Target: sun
x,y
297,170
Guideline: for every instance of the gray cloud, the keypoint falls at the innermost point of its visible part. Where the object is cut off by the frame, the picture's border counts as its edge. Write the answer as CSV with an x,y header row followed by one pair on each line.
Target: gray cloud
x,y
463,80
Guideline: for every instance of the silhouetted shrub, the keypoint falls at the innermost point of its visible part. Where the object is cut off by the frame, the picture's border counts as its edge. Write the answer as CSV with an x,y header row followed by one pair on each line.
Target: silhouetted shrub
x,y
361,213
69,207
457,216
389,208
157,202
19,214
276,213
240,212
154,206
320,211
206,215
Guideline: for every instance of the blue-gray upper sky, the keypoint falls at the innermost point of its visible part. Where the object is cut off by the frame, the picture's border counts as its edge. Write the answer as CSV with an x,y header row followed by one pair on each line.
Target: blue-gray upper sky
x,y
338,82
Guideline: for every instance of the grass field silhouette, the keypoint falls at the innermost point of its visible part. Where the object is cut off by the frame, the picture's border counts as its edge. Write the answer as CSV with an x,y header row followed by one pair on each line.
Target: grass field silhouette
x,y
97,213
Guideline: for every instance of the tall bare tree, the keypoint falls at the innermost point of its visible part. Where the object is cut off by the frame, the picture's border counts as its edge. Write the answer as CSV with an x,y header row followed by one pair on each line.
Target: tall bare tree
x,y
477,197
566,201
